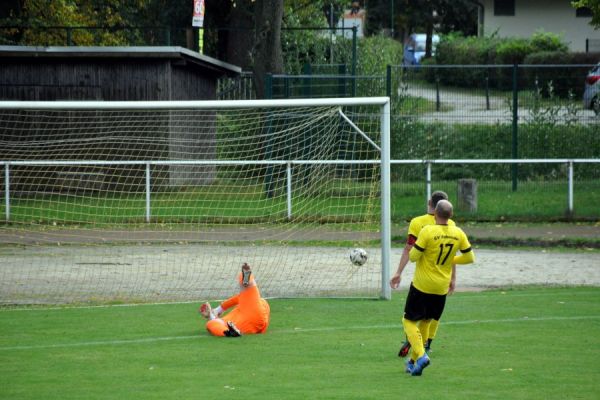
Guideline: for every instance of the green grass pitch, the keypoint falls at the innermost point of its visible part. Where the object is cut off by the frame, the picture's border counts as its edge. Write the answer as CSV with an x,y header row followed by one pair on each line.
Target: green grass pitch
x,y
532,343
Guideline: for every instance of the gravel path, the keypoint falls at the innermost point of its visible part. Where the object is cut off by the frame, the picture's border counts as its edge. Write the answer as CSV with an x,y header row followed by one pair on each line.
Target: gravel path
x,y
500,268
183,272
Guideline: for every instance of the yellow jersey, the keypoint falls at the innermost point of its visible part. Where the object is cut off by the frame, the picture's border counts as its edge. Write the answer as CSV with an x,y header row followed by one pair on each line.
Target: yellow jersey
x,y
434,253
417,223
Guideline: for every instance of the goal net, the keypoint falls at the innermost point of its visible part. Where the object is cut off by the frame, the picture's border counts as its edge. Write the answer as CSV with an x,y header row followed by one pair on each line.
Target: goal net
x,y
164,201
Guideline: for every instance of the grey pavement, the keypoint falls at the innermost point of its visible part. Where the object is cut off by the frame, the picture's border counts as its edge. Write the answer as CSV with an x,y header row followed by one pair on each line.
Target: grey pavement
x,y
475,107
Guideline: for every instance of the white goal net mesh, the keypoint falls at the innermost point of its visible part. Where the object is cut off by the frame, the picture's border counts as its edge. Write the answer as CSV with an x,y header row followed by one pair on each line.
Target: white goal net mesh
x,y
166,204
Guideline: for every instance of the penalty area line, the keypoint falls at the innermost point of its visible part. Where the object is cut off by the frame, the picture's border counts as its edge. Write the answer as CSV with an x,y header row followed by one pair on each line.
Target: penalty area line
x,y
291,331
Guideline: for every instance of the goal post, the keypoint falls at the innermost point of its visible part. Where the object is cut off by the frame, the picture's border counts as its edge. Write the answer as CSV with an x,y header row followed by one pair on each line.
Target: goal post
x,y
164,200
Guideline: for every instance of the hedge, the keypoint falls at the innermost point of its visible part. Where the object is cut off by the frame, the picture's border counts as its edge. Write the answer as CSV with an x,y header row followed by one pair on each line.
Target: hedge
x,y
543,48
416,140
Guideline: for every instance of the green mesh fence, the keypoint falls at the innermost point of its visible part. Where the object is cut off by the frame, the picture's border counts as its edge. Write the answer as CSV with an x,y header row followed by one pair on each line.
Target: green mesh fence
x,y
482,112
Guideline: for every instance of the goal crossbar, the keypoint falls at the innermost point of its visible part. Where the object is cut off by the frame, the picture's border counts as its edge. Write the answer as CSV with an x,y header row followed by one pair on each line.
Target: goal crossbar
x,y
189,104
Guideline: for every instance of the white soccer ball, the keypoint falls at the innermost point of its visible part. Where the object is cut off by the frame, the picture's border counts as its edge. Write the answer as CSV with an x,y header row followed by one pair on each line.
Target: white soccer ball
x,y
358,256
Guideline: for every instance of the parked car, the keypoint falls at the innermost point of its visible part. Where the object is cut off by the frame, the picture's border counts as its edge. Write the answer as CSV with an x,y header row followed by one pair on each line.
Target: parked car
x,y
414,48
591,95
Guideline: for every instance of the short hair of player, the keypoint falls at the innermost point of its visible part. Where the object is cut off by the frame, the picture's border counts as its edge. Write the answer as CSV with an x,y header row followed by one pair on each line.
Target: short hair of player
x,y
444,209
437,196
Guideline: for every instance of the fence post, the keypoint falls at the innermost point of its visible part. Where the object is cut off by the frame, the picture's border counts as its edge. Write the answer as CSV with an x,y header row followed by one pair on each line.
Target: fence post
x,y
487,89
168,36
342,80
7,191
354,32
467,195
515,125
428,180
69,37
286,88
289,190
306,87
147,192
437,92
570,210
388,81
269,86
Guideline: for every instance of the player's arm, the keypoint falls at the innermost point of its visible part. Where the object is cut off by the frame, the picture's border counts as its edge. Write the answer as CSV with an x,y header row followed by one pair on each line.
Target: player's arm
x,y
465,258
452,280
416,252
467,255
397,277
227,304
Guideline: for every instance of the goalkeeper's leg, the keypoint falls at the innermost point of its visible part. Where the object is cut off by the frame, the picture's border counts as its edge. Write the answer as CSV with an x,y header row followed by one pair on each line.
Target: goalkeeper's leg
x,y
221,327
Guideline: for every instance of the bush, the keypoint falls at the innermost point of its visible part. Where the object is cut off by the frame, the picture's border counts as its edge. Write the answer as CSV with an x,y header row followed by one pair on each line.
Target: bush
x,y
456,50
375,53
549,82
585,58
513,51
548,41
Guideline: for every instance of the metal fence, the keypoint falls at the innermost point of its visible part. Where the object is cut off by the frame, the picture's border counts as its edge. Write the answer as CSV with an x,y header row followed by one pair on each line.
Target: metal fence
x,y
569,193
458,93
570,190
521,113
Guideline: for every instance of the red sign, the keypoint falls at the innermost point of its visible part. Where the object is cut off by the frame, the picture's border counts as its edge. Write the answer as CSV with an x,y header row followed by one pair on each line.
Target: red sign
x,y
198,16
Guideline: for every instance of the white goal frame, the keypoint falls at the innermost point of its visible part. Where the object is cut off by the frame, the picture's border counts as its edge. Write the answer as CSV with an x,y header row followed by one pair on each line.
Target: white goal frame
x,y
383,147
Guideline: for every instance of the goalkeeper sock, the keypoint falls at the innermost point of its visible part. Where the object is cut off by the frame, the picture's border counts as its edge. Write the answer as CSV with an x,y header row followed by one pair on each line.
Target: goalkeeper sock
x,y
218,311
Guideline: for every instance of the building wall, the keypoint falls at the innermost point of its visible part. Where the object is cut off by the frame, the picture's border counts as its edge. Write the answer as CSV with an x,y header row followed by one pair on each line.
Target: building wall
x,y
194,140
555,16
52,80
104,79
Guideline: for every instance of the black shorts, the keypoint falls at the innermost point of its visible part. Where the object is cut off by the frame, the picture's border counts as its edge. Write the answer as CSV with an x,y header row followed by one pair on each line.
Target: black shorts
x,y
420,306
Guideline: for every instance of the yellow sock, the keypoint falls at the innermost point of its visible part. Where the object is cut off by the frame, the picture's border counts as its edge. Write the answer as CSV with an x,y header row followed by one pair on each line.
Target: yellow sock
x,y
433,327
414,337
425,329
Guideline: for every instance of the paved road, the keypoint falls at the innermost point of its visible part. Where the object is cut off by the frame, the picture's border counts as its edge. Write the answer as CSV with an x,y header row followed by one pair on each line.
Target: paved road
x,y
472,107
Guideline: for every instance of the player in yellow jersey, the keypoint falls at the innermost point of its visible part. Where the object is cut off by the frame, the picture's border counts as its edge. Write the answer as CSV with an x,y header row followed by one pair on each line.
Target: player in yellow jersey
x,y
415,226
249,314
435,254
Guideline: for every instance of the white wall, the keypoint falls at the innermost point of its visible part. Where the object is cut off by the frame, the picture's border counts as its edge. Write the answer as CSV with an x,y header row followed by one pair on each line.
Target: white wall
x,y
555,16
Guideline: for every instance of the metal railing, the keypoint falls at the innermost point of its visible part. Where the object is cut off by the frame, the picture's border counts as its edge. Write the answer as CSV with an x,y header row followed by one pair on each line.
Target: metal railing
x,y
289,164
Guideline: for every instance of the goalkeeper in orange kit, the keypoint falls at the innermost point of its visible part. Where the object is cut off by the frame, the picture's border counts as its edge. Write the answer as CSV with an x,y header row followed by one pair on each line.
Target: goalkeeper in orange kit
x,y
249,313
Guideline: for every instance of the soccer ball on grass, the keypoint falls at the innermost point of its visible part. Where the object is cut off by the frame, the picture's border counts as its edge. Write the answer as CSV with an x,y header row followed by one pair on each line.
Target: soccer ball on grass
x,y
358,256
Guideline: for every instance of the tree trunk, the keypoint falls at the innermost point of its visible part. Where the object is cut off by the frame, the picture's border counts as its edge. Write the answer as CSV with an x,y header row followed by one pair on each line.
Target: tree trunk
x,y
429,39
239,36
267,54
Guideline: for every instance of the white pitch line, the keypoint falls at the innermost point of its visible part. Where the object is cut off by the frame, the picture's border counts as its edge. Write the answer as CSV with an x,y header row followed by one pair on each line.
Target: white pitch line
x,y
294,331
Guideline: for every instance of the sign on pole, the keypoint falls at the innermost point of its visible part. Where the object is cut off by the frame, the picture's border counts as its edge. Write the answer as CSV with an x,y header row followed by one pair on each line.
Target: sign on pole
x,y
198,16
198,21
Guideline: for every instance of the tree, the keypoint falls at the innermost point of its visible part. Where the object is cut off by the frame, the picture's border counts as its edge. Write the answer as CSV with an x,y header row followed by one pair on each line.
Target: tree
x,y
267,53
46,21
253,39
413,16
594,6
